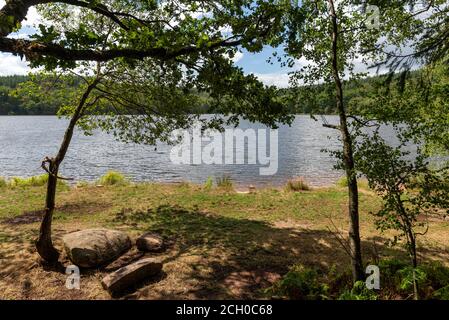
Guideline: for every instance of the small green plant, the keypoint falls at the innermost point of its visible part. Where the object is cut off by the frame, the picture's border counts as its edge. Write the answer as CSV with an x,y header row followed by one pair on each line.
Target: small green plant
x,y
442,293
209,183
35,181
361,183
431,277
224,182
410,276
358,292
437,274
342,182
112,178
300,283
297,184
38,181
3,182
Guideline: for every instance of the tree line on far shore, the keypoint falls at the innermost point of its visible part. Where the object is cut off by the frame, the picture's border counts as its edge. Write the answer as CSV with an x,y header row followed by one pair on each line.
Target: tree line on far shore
x,y
12,102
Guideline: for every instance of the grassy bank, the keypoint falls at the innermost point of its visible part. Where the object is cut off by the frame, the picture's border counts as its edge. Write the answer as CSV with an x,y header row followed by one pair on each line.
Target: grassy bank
x,y
223,244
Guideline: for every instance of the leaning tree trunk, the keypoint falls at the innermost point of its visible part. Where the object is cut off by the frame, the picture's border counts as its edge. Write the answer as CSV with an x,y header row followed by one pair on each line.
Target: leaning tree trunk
x,y
44,244
348,158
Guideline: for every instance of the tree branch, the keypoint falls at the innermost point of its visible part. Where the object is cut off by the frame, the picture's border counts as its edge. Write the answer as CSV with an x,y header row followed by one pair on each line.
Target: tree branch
x,y
33,49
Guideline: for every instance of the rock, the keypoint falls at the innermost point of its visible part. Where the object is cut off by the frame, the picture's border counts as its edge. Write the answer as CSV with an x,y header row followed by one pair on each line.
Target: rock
x,y
127,258
131,275
150,242
95,247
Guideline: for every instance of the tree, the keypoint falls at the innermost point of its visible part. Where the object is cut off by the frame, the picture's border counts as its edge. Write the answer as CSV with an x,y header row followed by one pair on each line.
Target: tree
x,y
151,58
143,29
331,35
412,184
417,32
411,189
51,165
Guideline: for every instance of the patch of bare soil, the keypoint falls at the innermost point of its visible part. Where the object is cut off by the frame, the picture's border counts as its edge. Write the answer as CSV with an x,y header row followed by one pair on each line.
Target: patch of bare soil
x,y
25,218
69,208
241,283
433,218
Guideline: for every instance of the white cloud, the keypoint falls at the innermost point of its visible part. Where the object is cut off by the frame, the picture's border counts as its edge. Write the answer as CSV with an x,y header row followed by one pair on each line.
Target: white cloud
x,y
238,56
12,65
32,18
278,79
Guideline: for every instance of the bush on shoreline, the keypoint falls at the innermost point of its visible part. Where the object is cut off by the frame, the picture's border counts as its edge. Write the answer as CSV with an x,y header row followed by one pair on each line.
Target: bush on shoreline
x,y
34,181
111,178
297,184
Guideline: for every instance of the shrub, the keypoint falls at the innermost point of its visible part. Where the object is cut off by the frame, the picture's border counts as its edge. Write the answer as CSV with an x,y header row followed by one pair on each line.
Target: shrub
x,y
112,178
442,293
3,182
224,182
38,181
342,182
359,292
389,269
209,183
35,181
407,278
437,274
297,184
398,276
300,283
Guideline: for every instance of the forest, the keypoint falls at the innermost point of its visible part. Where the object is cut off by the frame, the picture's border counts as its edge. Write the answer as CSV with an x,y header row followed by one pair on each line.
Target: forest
x,y
297,101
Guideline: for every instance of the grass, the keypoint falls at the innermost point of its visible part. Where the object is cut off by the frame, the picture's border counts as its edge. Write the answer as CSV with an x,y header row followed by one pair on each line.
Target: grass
x,y
208,185
34,181
223,244
225,182
111,178
3,182
362,183
297,184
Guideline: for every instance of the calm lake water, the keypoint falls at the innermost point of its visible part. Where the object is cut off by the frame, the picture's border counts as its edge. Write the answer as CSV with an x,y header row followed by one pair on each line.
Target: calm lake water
x,y
25,141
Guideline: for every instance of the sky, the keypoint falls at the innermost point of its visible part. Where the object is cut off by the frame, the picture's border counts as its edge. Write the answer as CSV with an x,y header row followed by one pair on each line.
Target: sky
x,y
251,63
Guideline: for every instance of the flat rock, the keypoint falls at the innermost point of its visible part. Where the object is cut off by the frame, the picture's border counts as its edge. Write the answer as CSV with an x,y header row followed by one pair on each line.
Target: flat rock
x,y
131,275
129,257
150,242
95,247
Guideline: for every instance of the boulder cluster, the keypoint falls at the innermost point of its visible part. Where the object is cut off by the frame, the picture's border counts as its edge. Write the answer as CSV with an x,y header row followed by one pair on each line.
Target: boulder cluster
x,y
112,251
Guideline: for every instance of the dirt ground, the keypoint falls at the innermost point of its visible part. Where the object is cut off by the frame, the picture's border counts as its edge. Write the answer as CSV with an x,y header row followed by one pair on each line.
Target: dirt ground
x,y
220,247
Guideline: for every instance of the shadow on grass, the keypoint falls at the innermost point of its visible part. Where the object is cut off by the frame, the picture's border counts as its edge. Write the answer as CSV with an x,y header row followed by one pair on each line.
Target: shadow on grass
x,y
233,258
209,256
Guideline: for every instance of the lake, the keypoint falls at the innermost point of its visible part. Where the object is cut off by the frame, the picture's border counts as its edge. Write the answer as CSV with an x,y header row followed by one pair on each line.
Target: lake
x,y
26,140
